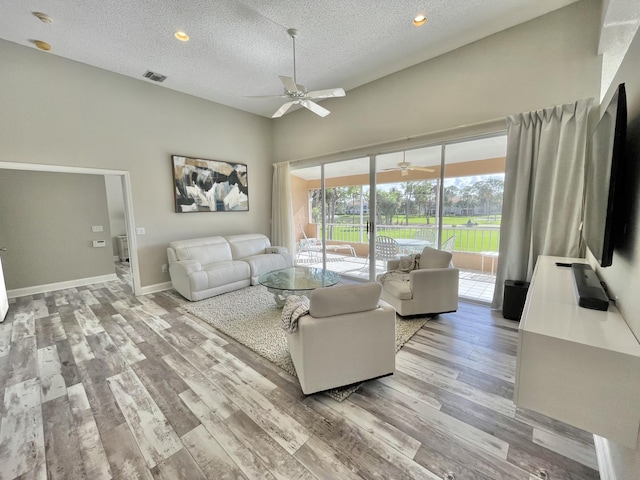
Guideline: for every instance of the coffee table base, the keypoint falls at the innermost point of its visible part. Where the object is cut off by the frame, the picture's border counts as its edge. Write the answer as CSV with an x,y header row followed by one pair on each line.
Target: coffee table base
x,y
280,296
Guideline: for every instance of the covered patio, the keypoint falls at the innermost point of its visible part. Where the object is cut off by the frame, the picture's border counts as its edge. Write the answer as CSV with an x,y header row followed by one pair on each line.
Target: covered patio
x,y
443,196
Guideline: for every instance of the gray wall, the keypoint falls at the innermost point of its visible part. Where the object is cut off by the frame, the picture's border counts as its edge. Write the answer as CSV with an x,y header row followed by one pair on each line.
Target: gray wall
x,y
623,276
45,223
115,202
56,111
548,61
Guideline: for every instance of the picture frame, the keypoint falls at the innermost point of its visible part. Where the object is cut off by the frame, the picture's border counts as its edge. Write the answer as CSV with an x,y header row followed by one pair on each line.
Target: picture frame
x,y
202,185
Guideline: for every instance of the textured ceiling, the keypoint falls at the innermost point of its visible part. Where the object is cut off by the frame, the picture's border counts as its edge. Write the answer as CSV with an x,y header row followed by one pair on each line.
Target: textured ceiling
x,y
239,48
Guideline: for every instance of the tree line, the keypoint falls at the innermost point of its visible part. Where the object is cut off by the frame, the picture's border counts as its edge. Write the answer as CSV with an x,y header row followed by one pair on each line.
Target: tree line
x,y
412,198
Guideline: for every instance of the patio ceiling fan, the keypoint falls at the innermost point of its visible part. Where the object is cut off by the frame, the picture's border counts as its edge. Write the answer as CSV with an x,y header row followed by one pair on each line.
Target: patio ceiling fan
x,y
297,94
405,167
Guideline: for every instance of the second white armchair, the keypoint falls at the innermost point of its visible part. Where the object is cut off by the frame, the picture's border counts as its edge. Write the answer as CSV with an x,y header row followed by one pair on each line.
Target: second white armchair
x,y
430,288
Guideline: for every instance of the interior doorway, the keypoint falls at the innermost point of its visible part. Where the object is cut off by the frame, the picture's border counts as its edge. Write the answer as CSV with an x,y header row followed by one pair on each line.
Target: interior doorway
x,y
124,179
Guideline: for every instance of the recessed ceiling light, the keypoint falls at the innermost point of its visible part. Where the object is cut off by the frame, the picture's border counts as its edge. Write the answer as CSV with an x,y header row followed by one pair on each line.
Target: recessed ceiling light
x,y
43,17
42,45
182,36
419,20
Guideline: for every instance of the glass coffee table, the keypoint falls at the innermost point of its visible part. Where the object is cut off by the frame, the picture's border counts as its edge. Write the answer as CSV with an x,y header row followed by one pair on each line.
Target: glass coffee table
x,y
296,281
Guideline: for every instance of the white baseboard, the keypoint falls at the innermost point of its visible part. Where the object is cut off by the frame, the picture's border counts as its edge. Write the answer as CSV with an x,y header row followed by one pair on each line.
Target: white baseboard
x,y
605,462
50,287
158,287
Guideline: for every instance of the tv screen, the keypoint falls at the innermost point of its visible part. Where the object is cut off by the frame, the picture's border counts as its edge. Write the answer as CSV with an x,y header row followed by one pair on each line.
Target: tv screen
x,y
605,154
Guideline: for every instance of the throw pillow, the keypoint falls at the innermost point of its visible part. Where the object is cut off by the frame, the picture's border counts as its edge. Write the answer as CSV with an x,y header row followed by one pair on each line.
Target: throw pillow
x,y
406,263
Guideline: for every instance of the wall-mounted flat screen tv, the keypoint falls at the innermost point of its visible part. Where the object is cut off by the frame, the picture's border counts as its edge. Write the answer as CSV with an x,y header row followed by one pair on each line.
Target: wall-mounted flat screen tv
x,y
603,182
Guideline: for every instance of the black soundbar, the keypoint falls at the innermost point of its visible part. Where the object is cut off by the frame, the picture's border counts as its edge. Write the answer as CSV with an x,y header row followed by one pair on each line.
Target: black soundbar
x,y
590,292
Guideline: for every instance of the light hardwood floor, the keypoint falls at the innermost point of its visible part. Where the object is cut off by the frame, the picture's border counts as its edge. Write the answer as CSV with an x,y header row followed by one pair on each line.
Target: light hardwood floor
x,y
100,384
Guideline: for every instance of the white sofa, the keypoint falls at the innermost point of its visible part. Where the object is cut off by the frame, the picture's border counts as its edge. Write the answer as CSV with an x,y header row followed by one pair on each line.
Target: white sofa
x,y
204,267
348,336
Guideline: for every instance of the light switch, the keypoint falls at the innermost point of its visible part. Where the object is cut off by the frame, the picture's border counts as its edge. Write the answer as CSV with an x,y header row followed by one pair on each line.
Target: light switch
x,y
140,230
97,228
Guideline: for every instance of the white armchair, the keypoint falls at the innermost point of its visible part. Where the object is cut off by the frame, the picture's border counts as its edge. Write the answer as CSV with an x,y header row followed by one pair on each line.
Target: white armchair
x,y
348,336
430,289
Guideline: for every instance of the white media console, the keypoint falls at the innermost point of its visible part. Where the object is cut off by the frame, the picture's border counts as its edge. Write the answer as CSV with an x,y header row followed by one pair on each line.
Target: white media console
x,y
577,365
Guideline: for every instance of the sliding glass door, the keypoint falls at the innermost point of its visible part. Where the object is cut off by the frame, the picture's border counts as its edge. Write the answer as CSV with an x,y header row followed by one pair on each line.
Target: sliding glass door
x,y
408,202
332,229
473,183
447,196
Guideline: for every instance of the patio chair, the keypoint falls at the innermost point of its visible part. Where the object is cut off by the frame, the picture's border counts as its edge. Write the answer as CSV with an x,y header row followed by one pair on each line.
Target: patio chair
x,y
448,244
314,245
386,248
311,246
426,234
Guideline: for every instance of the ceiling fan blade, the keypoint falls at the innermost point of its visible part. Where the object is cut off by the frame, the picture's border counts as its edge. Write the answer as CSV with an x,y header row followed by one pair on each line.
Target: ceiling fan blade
x,y
265,96
387,169
283,109
329,93
423,169
315,108
289,84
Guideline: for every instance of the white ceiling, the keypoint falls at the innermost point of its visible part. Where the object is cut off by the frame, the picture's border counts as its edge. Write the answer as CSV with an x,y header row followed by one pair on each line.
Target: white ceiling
x,y
239,48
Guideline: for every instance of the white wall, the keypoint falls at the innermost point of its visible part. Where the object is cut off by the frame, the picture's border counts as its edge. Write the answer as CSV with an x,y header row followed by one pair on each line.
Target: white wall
x,y
59,112
623,276
547,61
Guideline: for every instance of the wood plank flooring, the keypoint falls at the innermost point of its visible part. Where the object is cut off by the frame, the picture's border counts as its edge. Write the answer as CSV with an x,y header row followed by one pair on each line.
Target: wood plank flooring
x,y
99,384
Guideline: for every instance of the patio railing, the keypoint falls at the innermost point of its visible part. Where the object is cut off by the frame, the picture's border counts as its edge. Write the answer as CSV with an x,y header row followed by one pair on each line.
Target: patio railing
x,y
471,239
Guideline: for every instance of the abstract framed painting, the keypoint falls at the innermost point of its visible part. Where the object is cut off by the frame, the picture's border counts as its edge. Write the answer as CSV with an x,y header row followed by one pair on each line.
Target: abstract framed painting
x,y
209,185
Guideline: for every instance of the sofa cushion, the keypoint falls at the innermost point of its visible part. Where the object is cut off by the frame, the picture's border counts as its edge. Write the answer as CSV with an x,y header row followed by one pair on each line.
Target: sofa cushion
x,y
432,258
246,245
203,250
343,299
265,263
222,273
398,288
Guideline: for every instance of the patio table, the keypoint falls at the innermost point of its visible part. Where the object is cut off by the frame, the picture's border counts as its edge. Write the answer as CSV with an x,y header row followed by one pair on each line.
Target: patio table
x,y
412,245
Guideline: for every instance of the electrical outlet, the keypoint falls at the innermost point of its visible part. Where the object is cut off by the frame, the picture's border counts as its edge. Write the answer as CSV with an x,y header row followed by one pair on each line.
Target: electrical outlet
x,y
97,228
164,268
140,230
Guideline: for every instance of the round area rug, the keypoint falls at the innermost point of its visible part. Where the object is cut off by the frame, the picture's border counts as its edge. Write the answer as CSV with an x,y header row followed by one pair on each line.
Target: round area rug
x,y
250,316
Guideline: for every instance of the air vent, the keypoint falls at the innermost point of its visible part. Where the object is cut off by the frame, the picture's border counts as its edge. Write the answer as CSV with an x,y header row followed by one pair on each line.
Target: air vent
x,y
156,77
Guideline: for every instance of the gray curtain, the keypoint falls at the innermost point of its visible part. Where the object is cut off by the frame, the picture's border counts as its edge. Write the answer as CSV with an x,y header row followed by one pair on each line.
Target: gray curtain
x,y
282,233
543,189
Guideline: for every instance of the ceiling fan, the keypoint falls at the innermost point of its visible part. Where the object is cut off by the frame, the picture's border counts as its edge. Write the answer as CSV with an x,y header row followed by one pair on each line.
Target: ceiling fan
x,y
297,94
405,167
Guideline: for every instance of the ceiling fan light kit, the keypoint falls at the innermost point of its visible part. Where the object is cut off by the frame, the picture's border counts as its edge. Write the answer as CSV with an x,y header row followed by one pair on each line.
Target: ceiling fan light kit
x,y
404,167
297,94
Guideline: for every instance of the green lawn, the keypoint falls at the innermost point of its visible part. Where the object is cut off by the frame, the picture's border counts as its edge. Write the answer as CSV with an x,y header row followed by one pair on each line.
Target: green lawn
x,y
468,239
